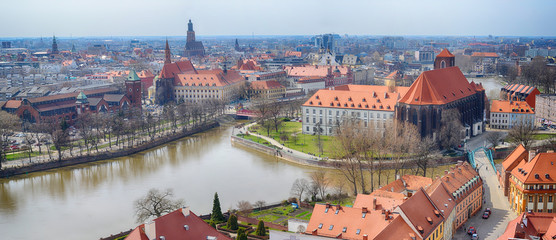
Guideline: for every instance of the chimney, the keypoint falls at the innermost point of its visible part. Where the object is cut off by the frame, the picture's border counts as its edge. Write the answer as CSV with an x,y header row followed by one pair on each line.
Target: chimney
x,y
365,237
364,210
447,178
314,232
532,154
549,151
185,211
150,230
327,205
453,174
374,203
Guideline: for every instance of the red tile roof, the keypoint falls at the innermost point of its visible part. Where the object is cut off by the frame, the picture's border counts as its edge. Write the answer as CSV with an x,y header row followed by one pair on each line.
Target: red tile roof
x,y
441,197
537,224
384,200
504,106
519,88
349,218
408,182
485,54
357,97
172,226
314,70
208,78
12,104
72,95
419,209
516,156
536,170
398,230
171,70
445,53
437,87
271,84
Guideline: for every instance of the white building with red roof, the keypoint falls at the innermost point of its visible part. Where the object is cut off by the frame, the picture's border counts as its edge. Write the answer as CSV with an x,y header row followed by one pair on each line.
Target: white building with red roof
x,y
373,105
505,114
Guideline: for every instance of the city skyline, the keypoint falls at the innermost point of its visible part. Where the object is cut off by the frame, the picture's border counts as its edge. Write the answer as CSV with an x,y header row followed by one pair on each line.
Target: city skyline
x,y
249,17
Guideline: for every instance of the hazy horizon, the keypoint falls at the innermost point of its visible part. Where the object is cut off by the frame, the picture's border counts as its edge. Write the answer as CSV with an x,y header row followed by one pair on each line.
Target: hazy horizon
x,y
104,18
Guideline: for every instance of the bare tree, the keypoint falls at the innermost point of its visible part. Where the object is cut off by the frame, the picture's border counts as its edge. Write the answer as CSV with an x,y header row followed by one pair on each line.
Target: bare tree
x,y
259,204
8,124
494,137
320,180
156,204
350,163
424,151
244,206
299,186
451,128
523,133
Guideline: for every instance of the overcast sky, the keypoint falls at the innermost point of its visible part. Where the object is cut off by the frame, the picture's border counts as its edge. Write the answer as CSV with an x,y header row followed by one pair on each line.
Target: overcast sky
x,y
34,18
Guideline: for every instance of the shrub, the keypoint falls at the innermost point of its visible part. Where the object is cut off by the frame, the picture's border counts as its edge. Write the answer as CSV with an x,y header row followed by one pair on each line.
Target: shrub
x,y
261,230
286,119
241,235
232,222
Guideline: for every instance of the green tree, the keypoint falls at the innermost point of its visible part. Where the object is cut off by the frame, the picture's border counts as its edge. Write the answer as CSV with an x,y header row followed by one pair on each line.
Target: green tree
x,y
261,230
241,235
232,222
216,210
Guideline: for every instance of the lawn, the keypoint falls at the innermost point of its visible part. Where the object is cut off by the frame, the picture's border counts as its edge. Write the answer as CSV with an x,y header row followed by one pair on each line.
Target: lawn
x,y
282,213
543,136
20,155
304,143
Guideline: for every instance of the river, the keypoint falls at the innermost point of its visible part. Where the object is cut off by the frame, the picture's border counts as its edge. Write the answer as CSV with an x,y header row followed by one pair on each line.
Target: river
x,y
492,86
95,200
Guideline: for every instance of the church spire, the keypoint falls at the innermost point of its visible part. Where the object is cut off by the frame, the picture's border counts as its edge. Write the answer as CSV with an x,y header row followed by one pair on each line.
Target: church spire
x,y
168,57
54,46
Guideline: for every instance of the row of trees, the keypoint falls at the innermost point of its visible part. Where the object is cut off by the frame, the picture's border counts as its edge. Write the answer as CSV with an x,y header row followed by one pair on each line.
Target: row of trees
x,y
126,128
536,73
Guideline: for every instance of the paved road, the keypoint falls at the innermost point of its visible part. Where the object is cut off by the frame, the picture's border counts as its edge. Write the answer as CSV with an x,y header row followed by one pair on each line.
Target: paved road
x,y
493,227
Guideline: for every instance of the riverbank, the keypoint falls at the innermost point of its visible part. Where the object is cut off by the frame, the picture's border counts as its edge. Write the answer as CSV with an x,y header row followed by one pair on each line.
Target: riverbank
x,y
282,152
43,166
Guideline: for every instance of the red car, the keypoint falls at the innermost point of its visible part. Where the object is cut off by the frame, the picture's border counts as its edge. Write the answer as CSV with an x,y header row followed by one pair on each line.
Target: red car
x,y
471,231
487,213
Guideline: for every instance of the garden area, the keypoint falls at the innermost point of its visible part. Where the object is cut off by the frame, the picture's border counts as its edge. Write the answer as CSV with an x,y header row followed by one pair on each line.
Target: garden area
x,y
280,215
289,134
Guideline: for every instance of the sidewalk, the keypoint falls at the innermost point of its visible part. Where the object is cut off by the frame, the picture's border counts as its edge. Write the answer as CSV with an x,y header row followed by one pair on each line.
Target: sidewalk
x,y
278,144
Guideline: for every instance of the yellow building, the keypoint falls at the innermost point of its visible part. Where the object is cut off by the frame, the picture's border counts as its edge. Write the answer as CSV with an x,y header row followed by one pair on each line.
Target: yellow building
x,y
533,185
268,89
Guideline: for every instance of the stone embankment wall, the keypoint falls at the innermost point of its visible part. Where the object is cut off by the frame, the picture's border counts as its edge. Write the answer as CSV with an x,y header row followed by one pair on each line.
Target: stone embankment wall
x,y
42,166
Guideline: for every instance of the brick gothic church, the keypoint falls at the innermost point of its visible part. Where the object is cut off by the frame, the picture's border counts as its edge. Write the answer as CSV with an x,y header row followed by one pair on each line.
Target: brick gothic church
x,y
192,47
445,87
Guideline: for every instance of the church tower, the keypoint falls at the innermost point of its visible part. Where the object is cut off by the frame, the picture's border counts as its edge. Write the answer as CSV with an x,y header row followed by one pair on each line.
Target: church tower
x,y
190,32
54,46
82,103
168,55
444,59
133,89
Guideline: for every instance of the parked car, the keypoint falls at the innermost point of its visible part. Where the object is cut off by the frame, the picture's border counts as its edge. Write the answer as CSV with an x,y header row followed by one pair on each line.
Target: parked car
x,y
487,213
14,147
471,231
474,236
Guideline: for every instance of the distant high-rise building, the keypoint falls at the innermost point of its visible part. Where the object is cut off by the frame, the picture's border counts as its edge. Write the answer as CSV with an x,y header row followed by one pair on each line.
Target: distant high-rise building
x,y
193,47
54,46
6,44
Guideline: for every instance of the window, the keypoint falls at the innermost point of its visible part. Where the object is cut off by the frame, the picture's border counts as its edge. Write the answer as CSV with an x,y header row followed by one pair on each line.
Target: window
x,y
307,128
344,229
358,231
549,198
530,198
314,111
320,225
320,111
540,199
307,110
326,210
331,227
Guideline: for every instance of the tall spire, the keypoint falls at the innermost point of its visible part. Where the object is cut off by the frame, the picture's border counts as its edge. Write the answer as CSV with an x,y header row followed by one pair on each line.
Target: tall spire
x,y
168,56
54,46
190,26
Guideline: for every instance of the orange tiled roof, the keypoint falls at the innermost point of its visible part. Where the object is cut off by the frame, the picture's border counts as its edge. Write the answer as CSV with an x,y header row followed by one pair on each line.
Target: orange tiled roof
x,y
516,156
171,70
437,87
419,209
441,197
485,54
208,78
393,75
458,177
384,199
551,231
519,88
349,218
503,106
12,104
398,229
541,169
271,84
368,97
408,182
314,70
445,53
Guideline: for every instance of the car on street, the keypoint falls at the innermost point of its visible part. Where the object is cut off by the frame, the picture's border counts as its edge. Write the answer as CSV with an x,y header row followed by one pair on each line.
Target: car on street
x,y
474,236
471,231
487,213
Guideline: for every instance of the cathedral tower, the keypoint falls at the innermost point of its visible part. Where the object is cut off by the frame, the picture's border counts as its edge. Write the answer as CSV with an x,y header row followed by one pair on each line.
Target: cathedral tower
x,y
54,46
444,59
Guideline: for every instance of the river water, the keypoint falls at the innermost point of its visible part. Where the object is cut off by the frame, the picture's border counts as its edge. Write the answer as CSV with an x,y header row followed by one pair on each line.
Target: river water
x,y
492,86
95,200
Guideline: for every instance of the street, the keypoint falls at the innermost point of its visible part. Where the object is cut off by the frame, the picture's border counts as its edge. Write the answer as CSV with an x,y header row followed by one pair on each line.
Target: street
x,y
495,225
